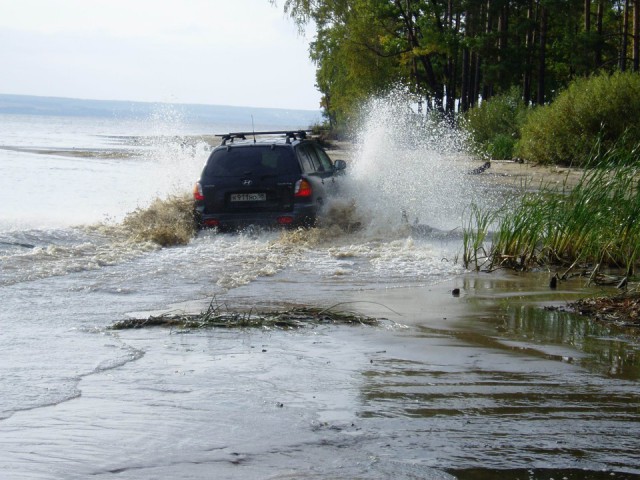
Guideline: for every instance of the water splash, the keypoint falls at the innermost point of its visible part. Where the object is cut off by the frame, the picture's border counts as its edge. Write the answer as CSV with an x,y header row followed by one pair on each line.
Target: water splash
x,y
165,222
408,168
177,155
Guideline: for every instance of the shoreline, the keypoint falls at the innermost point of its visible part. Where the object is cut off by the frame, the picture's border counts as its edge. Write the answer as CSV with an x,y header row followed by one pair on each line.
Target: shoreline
x,y
515,173
506,172
617,308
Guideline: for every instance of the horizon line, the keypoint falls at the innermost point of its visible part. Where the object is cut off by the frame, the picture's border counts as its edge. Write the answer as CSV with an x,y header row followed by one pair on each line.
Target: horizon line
x,y
146,102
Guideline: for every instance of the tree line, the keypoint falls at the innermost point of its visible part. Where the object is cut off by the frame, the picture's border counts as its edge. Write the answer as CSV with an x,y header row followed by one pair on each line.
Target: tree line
x,y
453,53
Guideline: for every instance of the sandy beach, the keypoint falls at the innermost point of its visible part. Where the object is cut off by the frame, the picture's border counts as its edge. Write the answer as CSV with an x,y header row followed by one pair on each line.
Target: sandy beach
x,y
515,173
502,172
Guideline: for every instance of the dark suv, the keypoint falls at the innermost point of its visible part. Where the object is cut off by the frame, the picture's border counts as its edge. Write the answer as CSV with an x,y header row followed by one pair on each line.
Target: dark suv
x,y
284,180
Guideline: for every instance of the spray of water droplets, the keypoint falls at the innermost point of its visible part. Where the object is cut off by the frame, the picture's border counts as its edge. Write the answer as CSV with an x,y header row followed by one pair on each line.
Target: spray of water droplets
x,y
177,154
408,168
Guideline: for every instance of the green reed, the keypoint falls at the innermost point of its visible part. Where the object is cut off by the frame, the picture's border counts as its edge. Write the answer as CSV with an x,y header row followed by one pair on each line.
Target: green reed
x,y
597,222
474,236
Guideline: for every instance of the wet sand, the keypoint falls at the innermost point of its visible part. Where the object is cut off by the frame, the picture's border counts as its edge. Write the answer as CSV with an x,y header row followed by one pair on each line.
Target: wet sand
x,y
513,173
501,172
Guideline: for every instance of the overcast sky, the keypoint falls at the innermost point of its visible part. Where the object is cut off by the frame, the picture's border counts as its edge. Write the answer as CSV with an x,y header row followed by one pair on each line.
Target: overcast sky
x,y
224,52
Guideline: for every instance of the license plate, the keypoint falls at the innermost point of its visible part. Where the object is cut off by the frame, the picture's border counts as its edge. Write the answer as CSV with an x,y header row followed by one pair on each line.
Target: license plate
x,y
248,197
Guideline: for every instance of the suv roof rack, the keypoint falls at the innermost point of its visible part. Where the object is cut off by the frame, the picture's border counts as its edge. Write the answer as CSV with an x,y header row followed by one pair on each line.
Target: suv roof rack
x,y
289,134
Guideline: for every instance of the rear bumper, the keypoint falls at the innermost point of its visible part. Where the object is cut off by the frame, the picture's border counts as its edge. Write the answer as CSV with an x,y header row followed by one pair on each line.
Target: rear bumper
x,y
299,216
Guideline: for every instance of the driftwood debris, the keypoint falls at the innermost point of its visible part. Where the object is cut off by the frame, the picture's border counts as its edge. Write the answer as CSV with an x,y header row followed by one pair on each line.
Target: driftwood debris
x,y
217,316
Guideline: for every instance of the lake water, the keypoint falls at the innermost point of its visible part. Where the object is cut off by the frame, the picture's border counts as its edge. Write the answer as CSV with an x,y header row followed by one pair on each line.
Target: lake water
x,y
408,399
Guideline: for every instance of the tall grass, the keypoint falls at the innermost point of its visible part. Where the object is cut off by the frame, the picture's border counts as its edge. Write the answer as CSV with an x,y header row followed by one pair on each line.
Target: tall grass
x,y
597,222
474,235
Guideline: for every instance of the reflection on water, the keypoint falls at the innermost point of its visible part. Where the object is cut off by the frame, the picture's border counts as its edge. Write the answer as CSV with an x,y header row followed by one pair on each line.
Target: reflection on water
x,y
515,311
607,352
457,401
490,385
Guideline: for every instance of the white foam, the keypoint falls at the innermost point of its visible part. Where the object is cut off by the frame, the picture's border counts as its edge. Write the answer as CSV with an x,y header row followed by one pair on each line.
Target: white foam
x,y
408,167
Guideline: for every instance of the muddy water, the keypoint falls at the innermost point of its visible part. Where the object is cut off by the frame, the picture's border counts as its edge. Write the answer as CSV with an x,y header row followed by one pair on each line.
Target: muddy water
x,y
485,385
508,390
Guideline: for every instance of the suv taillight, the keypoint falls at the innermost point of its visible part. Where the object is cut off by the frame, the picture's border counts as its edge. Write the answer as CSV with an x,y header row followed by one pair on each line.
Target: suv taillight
x,y
197,192
303,189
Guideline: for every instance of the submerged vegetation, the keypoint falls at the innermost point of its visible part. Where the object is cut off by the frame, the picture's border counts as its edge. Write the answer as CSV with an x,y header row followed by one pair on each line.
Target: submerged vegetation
x,y
218,316
592,226
621,310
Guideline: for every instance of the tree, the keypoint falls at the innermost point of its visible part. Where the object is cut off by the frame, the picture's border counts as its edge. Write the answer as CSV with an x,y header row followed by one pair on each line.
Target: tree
x,y
456,53
636,35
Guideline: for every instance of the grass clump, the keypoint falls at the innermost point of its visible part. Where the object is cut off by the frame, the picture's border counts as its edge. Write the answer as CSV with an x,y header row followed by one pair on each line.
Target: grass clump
x,y
474,236
218,316
166,222
595,223
599,112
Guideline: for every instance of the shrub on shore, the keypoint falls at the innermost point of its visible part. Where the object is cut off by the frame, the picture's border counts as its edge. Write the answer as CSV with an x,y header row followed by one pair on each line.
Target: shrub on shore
x,y
593,113
495,124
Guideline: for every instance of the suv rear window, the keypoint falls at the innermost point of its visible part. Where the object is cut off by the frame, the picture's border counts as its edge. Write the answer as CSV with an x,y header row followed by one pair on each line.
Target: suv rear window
x,y
254,160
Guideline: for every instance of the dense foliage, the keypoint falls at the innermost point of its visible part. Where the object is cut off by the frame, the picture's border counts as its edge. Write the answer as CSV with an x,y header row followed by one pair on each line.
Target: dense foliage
x,y
455,52
495,125
592,114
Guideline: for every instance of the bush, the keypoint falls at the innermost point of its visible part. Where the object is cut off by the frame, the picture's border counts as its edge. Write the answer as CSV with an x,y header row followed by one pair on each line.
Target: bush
x,y
502,146
593,114
495,124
